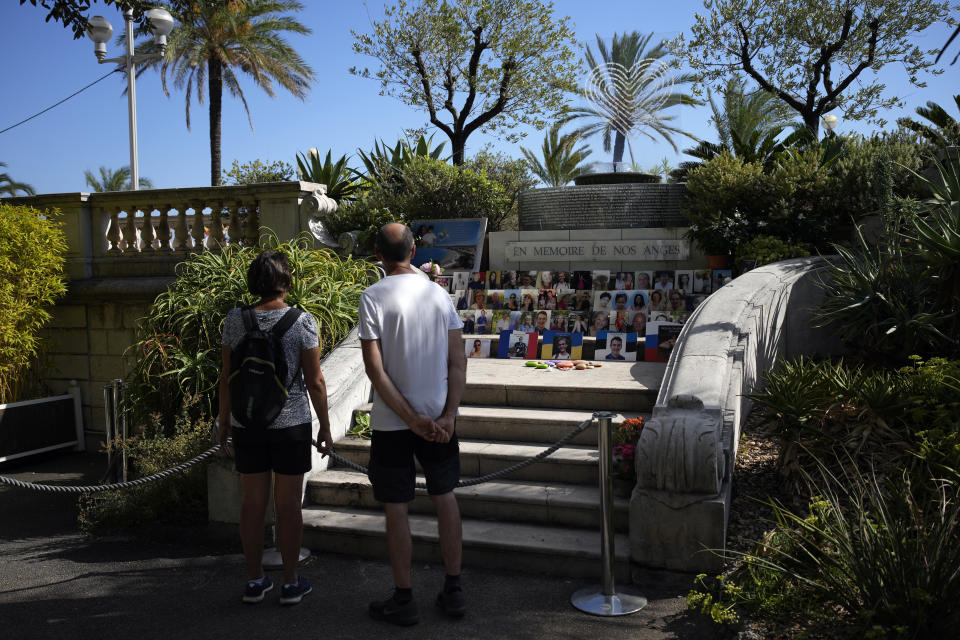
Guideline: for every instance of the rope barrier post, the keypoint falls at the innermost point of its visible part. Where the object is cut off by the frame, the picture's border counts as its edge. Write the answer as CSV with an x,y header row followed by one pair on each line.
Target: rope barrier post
x,y
122,413
605,600
108,418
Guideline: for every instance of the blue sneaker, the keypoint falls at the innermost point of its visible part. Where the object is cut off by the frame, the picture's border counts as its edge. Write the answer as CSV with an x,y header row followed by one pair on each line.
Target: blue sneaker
x,y
256,590
293,593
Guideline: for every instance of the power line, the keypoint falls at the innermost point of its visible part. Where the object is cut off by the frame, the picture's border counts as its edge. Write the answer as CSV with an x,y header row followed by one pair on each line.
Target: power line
x,y
103,77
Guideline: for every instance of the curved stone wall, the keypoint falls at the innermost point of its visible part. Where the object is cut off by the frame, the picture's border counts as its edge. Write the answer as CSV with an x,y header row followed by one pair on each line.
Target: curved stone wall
x,y
680,506
602,206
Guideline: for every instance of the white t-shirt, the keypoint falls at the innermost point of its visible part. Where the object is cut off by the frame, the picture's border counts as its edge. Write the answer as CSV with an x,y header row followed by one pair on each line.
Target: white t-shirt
x,y
411,316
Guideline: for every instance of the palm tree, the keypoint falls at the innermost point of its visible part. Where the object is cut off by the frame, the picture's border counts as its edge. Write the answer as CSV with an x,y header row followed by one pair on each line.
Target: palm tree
x,y
215,40
113,180
632,85
941,129
561,159
10,187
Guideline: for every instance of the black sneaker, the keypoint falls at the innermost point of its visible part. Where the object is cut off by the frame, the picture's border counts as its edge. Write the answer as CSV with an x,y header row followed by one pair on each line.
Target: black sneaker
x,y
293,593
390,611
256,590
451,603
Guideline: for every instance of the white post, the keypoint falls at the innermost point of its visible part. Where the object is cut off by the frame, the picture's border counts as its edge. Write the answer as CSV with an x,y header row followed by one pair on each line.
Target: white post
x,y
132,102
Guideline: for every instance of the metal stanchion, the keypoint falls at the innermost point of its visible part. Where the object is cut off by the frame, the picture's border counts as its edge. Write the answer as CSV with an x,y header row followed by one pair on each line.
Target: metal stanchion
x,y
108,416
121,411
605,599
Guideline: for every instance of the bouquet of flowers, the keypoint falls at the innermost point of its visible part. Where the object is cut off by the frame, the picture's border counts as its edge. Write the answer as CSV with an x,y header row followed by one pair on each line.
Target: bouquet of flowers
x,y
432,269
625,436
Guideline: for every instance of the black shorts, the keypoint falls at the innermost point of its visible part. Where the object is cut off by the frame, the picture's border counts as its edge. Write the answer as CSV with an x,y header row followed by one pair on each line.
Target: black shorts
x,y
286,451
393,473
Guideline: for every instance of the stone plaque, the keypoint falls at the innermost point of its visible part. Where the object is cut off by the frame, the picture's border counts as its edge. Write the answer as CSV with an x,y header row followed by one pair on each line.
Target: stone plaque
x,y
596,250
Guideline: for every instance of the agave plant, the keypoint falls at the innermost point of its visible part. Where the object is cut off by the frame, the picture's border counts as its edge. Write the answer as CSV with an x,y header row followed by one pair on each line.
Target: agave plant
x,y
384,165
339,178
940,129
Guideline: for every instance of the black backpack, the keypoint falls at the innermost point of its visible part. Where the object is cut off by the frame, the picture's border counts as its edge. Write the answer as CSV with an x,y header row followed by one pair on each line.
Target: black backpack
x,y
258,371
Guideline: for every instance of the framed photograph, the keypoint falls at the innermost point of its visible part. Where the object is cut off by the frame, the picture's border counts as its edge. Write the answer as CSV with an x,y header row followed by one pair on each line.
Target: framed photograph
x,y
558,320
545,279
541,321
657,301
469,326
599,321
684,280
562,280
584,301
616,346
663,280
638,323
748,264
528,299
478,280
511,299
621,300
721,277
577,322
547,299
460,280
561,345
444,281
528,279
508,280
637,300
495,299
524,321
676,301
643,280
477,299
450,243
517,344
477,348
502,321
602,301
601,279
483,320
621,281
701,281
494,280
582,280
661,336
462,299
566,299
620,320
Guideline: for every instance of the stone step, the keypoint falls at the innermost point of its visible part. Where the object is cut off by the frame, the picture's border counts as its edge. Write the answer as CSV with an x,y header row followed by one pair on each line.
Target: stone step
x,y
616,386
516,501
573,464
570,552
525,424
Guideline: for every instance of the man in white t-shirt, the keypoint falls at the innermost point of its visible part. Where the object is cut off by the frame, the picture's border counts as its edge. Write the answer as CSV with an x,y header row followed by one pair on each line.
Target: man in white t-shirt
x,y
418,379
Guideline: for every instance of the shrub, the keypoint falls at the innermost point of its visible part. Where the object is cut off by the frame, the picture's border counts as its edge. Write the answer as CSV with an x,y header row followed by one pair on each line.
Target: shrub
x,y
892,419
901,294
32,246
435,189
883,552
766,249
178,348
181,498
857,190
511,174
257,171
726,203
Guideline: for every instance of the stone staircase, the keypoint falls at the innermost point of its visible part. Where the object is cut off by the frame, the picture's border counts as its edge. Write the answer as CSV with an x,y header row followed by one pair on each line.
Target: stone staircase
x,y
544,518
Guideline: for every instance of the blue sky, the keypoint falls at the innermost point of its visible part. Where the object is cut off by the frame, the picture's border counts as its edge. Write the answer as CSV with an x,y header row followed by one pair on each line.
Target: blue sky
x,y
43,64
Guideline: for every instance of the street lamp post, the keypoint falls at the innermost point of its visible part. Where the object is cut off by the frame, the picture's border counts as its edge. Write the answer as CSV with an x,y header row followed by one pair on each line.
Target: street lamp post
x,y
830,122
100,31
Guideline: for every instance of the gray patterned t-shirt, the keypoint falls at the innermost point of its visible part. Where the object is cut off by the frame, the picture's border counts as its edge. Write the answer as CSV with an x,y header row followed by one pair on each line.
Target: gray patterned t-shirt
x,y
298,338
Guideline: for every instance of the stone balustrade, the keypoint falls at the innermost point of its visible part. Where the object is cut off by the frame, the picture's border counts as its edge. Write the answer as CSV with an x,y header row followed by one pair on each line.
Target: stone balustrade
x,y
145,233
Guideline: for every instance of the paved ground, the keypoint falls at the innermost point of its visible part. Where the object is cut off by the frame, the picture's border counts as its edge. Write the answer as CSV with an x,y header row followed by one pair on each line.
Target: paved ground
x,y
57,583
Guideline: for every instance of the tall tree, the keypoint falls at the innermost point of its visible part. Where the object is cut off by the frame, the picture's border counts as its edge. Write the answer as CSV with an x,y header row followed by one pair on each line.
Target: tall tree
x,y
213,41
113,180
510,62
809,54
630,90
75,13
561,160
10,187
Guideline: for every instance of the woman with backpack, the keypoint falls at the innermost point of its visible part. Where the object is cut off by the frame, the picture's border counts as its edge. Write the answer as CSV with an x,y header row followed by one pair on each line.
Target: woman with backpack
x,y
271,365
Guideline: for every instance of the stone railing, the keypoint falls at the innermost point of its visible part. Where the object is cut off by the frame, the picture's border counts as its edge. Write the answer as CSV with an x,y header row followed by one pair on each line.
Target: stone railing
x,y
680,506
145,233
